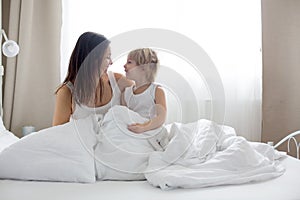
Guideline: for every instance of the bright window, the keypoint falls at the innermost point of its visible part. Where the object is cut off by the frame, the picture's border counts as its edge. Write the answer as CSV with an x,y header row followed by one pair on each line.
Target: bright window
x,y
229,32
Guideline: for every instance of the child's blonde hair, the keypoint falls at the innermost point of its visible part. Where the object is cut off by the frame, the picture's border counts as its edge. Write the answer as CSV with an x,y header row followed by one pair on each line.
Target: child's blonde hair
x,y
147,58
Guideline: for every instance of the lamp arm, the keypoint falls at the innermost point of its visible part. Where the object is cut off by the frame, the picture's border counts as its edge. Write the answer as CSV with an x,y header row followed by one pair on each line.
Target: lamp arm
x,y
4,34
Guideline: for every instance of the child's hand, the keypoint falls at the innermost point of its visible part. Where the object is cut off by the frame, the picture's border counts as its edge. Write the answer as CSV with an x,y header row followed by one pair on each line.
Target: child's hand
x,y
136,128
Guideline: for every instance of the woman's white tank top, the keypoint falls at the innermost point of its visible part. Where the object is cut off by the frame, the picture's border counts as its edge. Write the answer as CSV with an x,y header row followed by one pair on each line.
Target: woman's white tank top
x,y
143,103
82,111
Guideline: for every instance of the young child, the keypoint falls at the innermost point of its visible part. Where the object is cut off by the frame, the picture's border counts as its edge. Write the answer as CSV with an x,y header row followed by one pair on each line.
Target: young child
x,y
145,97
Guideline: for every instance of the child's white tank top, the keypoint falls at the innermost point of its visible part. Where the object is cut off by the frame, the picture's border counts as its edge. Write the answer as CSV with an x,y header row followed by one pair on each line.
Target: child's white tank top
x,y
143,103
82,111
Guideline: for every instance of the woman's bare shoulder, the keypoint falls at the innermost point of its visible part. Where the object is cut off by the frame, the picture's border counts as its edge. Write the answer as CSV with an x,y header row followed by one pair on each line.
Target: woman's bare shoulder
x,y
64,90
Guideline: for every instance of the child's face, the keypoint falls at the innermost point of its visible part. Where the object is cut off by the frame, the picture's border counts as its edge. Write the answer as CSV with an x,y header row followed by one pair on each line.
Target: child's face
x,y
131,69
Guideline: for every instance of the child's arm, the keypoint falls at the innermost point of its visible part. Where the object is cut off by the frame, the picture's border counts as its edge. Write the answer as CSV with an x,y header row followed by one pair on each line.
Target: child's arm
x,y
161,112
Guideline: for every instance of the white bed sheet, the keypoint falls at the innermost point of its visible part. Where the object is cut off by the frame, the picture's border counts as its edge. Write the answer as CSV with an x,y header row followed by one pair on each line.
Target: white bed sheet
x,y
285,187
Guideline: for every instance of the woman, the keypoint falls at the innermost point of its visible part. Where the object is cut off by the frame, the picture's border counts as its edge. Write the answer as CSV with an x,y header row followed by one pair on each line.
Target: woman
x,y
88,87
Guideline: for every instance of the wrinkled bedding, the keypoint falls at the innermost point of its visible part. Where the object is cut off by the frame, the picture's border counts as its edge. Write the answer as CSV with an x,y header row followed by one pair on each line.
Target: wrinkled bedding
x,y
213,155
198,154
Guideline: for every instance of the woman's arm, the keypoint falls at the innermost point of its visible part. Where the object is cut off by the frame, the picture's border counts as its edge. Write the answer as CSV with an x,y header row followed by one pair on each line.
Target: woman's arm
x,y
159,120
63,106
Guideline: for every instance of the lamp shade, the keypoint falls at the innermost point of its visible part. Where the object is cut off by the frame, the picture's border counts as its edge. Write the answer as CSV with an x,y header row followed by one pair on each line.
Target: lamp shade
x,y
10,48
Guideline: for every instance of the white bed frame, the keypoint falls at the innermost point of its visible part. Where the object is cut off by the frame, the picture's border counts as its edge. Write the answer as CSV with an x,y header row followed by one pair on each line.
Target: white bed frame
x,y
289,138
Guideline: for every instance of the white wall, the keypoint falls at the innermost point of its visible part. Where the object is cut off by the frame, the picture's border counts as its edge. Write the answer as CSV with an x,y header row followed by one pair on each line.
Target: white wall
x,y
281,69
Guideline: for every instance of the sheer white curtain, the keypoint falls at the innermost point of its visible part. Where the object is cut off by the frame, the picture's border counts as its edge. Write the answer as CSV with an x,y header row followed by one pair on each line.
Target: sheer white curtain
x,y
228,31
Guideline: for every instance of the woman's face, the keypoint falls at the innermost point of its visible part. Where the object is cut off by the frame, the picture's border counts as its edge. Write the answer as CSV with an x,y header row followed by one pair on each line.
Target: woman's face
x,y
106,61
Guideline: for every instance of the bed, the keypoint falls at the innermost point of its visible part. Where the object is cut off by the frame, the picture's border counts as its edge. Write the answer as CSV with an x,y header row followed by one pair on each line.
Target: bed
x,y
285,187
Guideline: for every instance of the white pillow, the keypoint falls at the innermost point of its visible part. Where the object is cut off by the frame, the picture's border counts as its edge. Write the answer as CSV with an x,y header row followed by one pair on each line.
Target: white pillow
x,y
6,138
2,127
60,153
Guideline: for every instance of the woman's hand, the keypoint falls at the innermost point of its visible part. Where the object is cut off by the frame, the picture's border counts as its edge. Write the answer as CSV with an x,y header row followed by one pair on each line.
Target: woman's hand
x,y
123,82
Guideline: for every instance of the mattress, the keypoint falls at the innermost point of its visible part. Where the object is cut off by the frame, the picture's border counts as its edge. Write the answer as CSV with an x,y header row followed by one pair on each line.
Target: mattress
x,y
285,187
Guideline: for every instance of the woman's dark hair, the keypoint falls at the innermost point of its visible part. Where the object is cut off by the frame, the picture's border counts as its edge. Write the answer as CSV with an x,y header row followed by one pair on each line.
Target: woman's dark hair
x,y
84,66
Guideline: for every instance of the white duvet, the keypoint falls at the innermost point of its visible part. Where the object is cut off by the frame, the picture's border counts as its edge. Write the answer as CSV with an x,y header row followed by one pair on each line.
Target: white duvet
x,y
119,153
214,155
200,154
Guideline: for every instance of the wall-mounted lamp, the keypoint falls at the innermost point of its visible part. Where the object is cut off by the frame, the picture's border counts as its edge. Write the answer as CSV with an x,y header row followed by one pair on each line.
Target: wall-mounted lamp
x,y
9,48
